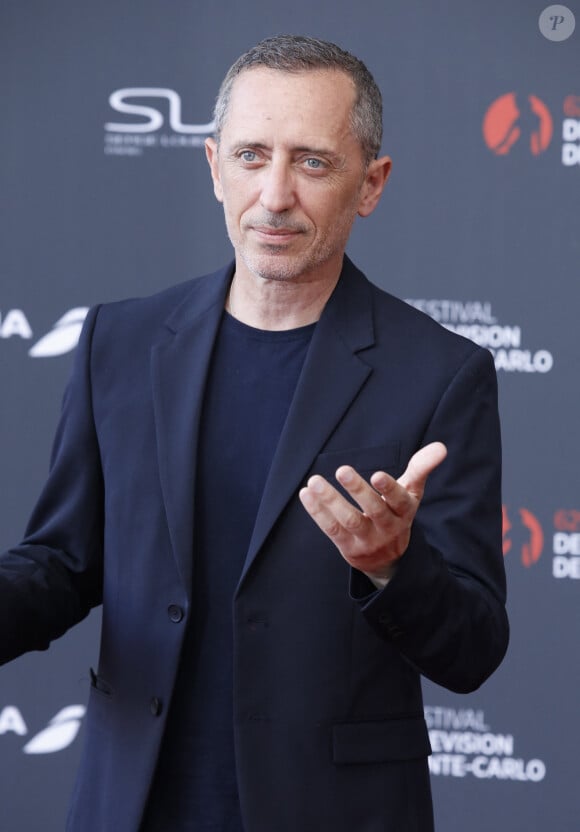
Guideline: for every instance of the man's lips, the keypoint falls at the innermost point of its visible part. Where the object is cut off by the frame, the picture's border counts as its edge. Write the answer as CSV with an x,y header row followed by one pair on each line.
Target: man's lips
x,y
276,233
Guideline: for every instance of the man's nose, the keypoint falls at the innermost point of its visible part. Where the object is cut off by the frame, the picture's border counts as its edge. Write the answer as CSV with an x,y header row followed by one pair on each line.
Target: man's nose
x,y
278,185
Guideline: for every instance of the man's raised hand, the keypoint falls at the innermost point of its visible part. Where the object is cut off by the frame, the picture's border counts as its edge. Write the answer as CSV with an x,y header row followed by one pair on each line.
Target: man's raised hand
x,y
373,536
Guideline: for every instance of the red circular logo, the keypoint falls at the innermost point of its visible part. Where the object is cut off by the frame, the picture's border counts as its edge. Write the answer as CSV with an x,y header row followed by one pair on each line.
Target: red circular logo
x,y
529,532
511,118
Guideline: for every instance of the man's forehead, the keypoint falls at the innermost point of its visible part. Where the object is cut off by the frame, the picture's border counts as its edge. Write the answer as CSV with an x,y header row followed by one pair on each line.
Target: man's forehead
x,y
315,101
263,78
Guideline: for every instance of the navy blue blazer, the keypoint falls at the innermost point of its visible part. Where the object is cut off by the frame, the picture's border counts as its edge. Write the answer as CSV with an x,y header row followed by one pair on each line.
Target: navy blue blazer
x,y
328,720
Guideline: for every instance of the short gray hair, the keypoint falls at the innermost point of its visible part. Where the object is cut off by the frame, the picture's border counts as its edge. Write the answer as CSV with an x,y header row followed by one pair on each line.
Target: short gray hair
x,y
298,53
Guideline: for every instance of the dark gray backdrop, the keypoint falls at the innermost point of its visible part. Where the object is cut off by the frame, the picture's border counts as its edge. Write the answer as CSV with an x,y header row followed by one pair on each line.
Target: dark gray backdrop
x,y
88,214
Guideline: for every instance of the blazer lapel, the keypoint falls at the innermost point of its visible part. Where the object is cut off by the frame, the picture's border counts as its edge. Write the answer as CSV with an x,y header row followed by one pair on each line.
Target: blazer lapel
x,y
332,375
179,365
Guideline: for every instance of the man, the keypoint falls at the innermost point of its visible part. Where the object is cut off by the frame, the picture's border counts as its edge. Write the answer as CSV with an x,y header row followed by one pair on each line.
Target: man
x,y
290,509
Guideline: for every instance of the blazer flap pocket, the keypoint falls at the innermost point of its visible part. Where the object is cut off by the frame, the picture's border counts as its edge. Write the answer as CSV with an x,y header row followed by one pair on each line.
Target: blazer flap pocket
x,y
365,460
378,742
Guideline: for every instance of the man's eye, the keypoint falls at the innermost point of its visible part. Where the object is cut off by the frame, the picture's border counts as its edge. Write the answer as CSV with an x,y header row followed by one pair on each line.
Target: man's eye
x,y
314,164
248,156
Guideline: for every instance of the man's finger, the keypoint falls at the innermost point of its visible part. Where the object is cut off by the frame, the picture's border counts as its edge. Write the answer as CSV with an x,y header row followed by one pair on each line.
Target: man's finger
x,y
420,466
365,495
395,496
336,517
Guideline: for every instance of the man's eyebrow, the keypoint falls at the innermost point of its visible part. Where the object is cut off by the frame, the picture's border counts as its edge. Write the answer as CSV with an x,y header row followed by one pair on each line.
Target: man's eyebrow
x,y
315,151
241,144
318,151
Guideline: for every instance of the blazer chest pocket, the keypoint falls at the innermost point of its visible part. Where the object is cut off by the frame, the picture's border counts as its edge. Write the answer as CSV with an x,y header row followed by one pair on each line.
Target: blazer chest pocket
x,y
366,461
380,742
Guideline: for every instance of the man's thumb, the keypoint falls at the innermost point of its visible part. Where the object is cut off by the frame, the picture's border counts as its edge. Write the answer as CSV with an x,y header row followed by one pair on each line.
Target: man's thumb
x,y
420,466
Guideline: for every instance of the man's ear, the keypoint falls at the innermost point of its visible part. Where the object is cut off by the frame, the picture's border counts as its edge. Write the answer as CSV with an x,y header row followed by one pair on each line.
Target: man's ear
x,y
375,180
212,152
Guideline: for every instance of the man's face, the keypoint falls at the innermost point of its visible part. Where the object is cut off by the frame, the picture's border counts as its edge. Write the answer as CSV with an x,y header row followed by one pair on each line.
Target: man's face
x,y
290,173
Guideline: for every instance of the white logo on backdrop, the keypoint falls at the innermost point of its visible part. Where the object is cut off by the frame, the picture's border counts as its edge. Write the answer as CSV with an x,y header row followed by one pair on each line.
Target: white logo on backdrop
x,y
63,337
474,320
463,745
145,129
60,732
118,101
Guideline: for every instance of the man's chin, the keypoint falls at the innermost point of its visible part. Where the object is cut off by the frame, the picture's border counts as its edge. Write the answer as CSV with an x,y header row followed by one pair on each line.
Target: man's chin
x,y
275,266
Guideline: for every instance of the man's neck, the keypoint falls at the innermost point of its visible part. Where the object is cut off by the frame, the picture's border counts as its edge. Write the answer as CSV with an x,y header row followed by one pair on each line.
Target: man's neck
x,y
278,304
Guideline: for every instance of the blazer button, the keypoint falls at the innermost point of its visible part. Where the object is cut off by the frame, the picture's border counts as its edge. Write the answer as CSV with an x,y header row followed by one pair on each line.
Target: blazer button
x,y
175,613
156,706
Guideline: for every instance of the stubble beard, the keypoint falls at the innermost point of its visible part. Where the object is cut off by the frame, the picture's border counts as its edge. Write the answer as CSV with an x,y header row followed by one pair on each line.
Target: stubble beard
x,y
275,263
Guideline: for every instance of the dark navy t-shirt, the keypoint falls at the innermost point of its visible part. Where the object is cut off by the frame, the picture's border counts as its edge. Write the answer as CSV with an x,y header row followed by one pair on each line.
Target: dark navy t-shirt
x,y
251,383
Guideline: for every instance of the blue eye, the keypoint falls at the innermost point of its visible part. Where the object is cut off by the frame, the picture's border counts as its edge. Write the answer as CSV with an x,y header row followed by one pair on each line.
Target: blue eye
x,y
248,155
313,164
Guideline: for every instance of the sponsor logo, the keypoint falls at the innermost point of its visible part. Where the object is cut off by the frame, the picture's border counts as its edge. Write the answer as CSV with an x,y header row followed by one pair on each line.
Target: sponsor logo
x,y
61,339
532,544
464,745
474,320
59,734
155,121
526,538
516,123
514,118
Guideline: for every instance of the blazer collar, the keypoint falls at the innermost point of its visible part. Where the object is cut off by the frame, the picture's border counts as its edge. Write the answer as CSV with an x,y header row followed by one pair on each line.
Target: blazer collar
x,y
179,365
332,375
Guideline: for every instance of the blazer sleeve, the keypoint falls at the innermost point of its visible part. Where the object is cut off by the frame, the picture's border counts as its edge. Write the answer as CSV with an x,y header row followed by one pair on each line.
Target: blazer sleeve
x,y
54,577
444,608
